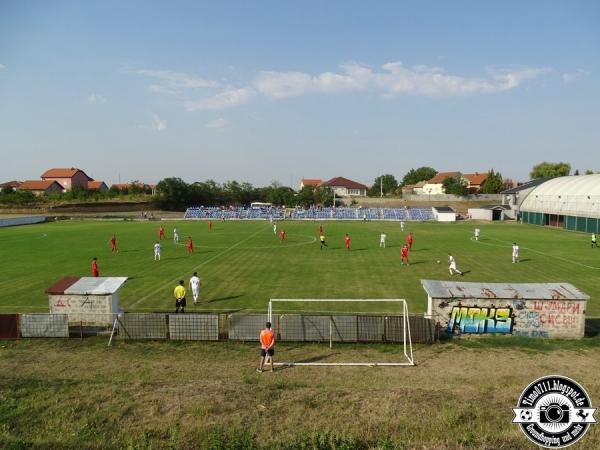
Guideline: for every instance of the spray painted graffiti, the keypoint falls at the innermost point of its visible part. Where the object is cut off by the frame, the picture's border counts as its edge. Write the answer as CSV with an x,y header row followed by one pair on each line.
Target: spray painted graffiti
x,y
476,320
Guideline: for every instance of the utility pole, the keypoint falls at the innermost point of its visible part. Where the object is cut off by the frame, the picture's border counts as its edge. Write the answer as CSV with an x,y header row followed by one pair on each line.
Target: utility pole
x,y
381,185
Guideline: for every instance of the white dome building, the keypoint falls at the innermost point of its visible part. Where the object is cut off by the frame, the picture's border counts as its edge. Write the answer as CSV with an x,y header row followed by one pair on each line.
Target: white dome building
x,y
566,202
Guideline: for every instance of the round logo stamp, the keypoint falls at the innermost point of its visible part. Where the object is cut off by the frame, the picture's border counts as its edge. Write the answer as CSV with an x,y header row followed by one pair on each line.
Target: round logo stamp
x,y
554,412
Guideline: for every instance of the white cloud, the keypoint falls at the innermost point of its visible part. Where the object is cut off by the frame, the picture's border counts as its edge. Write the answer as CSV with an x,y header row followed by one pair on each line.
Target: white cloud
x,y
574,76
222,100
2,67
393,79
159,124
217,124
94,99
168,82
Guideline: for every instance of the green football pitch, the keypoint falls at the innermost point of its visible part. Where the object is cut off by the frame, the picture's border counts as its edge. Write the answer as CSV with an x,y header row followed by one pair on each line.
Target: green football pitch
x,y
243,264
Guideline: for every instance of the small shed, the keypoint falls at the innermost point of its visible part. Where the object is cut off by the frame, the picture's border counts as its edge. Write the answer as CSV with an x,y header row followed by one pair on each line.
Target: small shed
x,y
552,310
445,214
91,301
490,212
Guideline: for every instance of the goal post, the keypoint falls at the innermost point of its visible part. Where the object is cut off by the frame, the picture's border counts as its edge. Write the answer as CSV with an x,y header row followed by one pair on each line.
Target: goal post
x,y
348,325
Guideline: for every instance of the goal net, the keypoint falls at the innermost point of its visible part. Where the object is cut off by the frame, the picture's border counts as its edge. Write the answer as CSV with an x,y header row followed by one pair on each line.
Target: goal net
x,y
336,321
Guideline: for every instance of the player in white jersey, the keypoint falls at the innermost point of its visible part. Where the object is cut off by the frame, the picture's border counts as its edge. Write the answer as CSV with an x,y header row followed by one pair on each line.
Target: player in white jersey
x,y
515,253
275,229
452,265
157,251
477,233
175,235
195,286
402,225
382,238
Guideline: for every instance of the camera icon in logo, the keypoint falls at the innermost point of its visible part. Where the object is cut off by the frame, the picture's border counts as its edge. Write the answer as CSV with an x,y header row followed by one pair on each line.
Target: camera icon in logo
x,y
554,413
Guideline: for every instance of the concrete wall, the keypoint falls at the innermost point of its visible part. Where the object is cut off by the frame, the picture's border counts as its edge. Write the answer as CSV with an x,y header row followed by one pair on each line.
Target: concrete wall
x,y
481,214
14,221
445,217
516,317
492,198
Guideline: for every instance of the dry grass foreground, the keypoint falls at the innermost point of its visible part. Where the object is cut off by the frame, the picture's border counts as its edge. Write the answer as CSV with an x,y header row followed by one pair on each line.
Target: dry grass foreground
x,y
81,394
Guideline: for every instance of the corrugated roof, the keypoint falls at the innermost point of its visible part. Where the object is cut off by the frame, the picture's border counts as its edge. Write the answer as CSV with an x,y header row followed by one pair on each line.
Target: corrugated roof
x,y
345,182
522,187
503,291
62,284
38,185
96,285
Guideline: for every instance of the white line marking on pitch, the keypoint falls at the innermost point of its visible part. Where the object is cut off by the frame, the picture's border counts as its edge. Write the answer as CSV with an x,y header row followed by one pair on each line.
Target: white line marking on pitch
x,y
201,264
508,244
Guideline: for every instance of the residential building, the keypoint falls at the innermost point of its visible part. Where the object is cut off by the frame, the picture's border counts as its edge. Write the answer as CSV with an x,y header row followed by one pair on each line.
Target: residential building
x,y
97,185
344,187
310,182
67,178
10,185
41,187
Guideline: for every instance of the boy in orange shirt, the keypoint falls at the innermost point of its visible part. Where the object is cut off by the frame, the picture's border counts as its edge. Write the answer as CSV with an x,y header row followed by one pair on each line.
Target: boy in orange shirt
x,y
267,346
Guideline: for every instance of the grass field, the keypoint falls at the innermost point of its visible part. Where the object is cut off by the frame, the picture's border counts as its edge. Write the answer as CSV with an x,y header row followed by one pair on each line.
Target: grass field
x,y
243,264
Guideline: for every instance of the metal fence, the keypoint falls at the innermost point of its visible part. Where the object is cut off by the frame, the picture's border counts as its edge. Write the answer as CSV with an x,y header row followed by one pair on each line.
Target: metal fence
x,y
216,327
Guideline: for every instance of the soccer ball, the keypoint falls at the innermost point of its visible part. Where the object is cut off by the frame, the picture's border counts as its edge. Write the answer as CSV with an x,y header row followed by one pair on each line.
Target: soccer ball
x,y
438,261
526,415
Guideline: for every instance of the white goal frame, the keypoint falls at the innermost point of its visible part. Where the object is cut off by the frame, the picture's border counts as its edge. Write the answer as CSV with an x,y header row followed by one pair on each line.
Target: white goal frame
x,y
407,340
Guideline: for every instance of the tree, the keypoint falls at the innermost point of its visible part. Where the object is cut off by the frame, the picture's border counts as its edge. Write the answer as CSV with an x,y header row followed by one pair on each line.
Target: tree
x,y
550,170
493,184
172,193
589,172
455,185
421,174
386,183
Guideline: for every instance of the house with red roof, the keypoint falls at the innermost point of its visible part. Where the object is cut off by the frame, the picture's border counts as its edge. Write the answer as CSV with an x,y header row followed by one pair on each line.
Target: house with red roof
x,y
97,185
41,187
434,186
310,182
344,187
11,186
475,181
67,178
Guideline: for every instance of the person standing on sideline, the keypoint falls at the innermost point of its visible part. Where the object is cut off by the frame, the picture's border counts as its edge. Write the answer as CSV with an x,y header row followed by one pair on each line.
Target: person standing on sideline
x,y
594,244
402,225
113,244
267,347
322,241
404,255
515,253
190,245
409,241
179,293
452,265
195,286
477,233
95,271
157,251
382,238
161,233
175,236
347,241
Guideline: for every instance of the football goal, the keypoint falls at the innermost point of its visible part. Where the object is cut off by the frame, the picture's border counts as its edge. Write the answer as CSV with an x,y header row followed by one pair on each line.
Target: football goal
x,y
335,321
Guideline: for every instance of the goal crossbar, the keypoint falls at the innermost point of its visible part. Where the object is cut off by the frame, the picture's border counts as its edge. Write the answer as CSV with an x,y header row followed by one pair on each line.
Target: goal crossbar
x,y
407,339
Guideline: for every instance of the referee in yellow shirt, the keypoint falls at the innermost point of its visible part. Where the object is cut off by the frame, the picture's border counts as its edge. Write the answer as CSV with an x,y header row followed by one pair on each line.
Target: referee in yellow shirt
x,y
179,294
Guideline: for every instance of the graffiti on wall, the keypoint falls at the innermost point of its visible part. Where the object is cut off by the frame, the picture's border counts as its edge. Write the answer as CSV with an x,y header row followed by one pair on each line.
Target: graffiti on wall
x,y
480,320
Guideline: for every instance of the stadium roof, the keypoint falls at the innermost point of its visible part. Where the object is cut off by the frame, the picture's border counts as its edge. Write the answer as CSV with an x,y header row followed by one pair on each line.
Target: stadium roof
x,y
440,177
345,182
38,185
572,196
522,187
502,291
63,173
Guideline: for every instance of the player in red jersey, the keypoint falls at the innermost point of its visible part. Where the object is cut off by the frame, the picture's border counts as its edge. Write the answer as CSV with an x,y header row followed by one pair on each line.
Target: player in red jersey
x,y
113,244
95,271
320,230
405,255
282,235
209,225
347,241
409,241
190,245
161,232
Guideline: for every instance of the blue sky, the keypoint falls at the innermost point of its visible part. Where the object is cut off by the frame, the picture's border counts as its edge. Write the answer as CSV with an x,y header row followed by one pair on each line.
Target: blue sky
x,y
271,90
